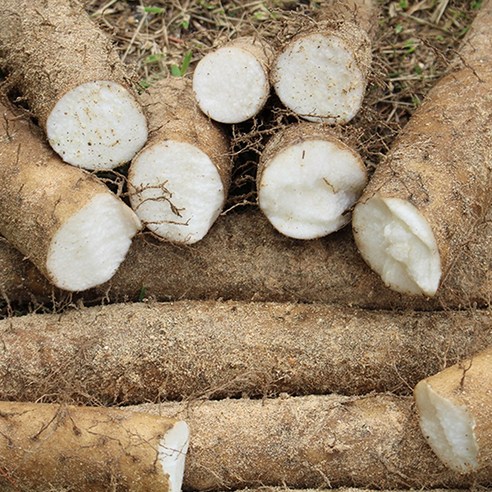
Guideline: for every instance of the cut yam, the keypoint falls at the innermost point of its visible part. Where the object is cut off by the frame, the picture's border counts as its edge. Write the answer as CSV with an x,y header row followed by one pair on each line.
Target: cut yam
x,y
321,73
428,196
231,84
63,219
130,353
178,183
244,258
73,82
308,180
310,442
455,408
58,447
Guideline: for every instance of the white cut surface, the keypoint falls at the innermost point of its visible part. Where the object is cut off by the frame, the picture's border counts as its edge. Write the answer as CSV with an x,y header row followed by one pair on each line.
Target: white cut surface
x,y
318,78
176,190
397,242
172,454
97,125
449,429
307,189
89,247
230,85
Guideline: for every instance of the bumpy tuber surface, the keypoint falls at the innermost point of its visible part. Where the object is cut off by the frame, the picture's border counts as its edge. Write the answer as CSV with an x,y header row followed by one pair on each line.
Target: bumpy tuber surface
x,y
178,183
226,349
308,180
64,220
455,408
244,258
426,198
321,73
310,441
73,80
57,447
231,84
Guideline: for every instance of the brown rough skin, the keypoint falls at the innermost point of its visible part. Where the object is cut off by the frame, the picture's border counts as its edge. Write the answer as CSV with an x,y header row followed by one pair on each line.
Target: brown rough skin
x,y
57,447
49,47
442,160
468,385
173,114
243,258
130,353
310,442
39,193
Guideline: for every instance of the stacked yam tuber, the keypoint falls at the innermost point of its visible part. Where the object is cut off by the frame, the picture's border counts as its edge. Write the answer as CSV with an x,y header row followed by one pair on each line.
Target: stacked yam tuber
x,y
63,219
59,447
73,80
424,201
178,182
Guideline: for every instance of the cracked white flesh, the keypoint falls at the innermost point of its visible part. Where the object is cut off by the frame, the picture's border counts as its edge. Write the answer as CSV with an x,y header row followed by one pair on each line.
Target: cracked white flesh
x,y
398,244
307,189
230,85
176,191
89,247
317,77
97,125
448,428
172,454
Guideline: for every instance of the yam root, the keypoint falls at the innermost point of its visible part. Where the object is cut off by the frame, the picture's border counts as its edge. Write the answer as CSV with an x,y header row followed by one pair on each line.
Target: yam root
x,y
243,258
179,182
58,447
308,180
75,85
310,441
63,219
129,353
321,73
231,84
426,198
455,409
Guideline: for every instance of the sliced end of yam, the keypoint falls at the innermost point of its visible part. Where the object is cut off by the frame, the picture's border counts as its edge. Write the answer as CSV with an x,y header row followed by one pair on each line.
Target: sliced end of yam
x,y
172,454
318,77
176,190
397,242
89,247
307,189
449,429
97,125
231,85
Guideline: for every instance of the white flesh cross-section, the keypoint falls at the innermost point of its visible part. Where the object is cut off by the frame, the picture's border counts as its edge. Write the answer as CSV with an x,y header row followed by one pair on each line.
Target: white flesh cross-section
x,y
89,247
176,190
307,189
230,85
172,454
97,125
397,242
318,78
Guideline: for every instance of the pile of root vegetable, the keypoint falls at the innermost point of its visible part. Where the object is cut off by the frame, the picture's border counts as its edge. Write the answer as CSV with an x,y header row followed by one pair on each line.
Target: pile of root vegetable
x,y
245,245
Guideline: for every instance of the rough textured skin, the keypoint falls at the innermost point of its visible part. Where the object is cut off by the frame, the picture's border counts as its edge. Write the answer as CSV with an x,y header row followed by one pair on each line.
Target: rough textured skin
x,y
442,160
49,47
173,114
312,441
58,447
468,384
39,191
243,258
130,353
